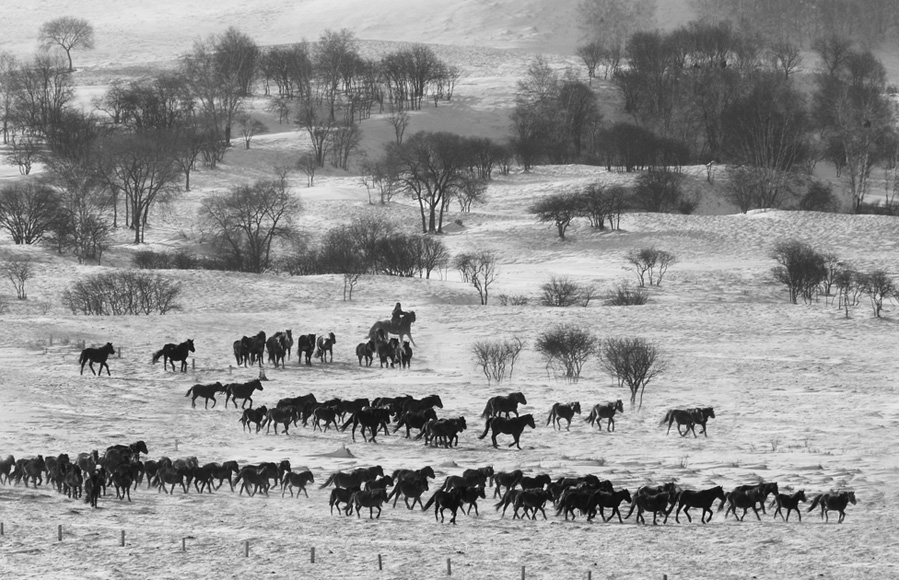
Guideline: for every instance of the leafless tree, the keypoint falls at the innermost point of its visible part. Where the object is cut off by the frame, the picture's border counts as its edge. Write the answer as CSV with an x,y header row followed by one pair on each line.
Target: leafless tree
x,y
496,358
399,120
565,349
67,32
249,127
28,211
19,271
634,362
477,269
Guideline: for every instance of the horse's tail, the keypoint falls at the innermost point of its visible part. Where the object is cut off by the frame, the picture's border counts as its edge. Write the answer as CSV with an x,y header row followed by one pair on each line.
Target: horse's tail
x,y
327,482
431,501
83,357
724,501
486,428
552,415
488,408
666,419
591,418
157,355
347,424
815,503
189,391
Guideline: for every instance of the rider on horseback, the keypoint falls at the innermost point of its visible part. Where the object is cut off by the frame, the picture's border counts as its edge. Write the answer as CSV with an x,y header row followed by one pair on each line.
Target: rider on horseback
x,y
397,315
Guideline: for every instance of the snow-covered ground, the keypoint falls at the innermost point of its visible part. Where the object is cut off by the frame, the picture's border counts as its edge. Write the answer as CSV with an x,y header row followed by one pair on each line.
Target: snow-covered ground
x,y
803,396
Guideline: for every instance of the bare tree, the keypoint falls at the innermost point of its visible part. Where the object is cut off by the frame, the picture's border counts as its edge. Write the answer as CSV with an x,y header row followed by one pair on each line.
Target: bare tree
x,y
787,57
650,262
67,32
800,267
249,127
566,349
634,362
27,211
878,286
558,209
496,358
308,164
19,271
399,120
249,219
477,269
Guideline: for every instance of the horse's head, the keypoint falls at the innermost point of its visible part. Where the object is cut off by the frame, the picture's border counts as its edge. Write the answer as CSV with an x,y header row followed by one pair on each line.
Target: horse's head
x,y
800,495
851,496
627,496
190,345
529,421
108,348
576,407
410,317
519,396
709,412
140,447
619,406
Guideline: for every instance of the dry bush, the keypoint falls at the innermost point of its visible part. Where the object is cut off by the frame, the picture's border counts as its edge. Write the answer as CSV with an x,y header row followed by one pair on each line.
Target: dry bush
x,y
120,293
566,349
624,295
497,357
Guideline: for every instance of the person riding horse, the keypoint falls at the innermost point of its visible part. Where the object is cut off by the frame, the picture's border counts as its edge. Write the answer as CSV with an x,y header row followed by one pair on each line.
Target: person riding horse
x,y
397,315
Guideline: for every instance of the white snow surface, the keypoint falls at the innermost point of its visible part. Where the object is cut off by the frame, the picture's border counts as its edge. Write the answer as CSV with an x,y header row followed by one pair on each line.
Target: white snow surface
x,y
803,395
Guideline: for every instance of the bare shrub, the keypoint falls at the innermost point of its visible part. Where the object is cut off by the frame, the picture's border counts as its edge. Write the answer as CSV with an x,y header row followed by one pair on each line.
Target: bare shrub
x,y
513,300
801,268
633,361
496,358
878,286
624,295
19,271
121,293
562,292
650,263
477,269
566,349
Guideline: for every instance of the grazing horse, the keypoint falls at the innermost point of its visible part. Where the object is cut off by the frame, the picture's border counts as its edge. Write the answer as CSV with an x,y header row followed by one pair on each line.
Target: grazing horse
x,y
700,499
89,356
372,499
242,391
276,346
512,427
401,329
205,391
296,480
504,404
175,352
833,501
607,411
306,346
688,418
791,502
561,411
365,350
323,346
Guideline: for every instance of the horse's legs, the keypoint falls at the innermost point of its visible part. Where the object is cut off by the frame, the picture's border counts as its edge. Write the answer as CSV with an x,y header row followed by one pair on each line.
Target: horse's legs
x,y
611,425
104,364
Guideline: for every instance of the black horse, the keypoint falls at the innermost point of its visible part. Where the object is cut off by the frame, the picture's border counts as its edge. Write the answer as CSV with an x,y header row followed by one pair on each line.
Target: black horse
x,y
242,351
324,346
412,404
365,350
205,391
371,418
414,419
242,391
256,348
306,346
833,501
688,418
700,499
89,356
607,411
561,411
276,346
507,404
175,352
513,427
446,500
791,502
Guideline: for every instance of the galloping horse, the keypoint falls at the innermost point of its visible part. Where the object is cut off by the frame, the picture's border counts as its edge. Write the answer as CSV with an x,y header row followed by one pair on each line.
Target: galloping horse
x,y
504,404
175,352
401,329
561,411
701,499
606,411
89,356
512,427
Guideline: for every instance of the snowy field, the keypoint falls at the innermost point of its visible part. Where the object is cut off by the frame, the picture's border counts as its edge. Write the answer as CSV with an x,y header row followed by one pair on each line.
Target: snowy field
x,y
803,396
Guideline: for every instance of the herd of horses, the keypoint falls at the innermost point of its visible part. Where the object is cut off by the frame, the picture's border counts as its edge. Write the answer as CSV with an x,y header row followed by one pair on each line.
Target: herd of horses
x,y
121,467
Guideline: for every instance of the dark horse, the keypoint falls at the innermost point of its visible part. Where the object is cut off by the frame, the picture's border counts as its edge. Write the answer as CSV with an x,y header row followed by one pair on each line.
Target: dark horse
x,y
833,501
504,404
205,391
791,502
700,499
306,346
403,328
563,411
175,352
688,417
606,411
89,356
512,427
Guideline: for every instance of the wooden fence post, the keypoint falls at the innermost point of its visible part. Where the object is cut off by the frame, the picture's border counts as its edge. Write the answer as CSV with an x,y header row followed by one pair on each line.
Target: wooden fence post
x,y
193,364
59,533
380,563
119,352
449,567
312,555
123,539
183,544
246,549
522,573
1,528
